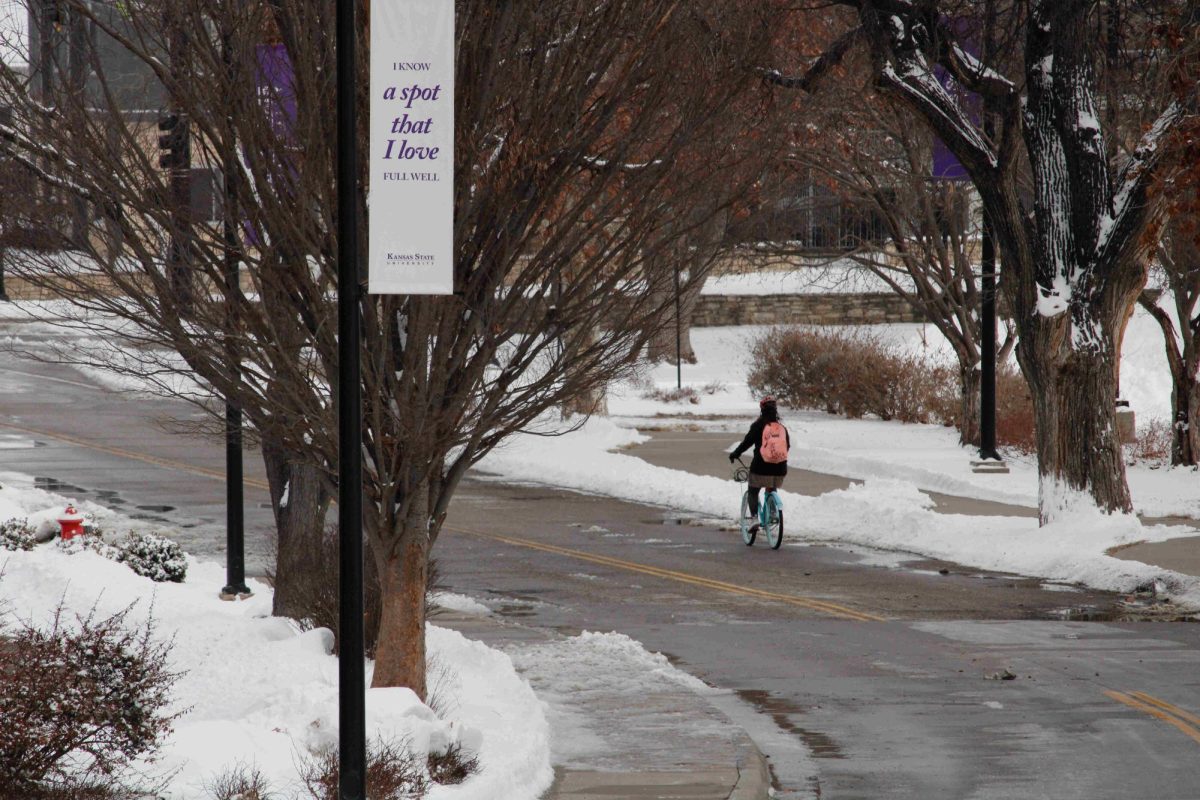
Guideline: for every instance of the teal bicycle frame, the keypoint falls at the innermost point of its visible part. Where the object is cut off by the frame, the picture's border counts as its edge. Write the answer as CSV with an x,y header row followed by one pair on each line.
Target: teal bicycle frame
x,y
770,512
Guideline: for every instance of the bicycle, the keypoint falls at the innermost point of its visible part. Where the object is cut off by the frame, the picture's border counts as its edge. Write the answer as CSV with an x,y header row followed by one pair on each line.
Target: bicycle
x,y
770,511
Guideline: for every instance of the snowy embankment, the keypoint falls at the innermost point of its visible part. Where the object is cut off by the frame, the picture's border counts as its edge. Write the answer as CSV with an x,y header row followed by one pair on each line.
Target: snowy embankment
x,y
257,691
883,512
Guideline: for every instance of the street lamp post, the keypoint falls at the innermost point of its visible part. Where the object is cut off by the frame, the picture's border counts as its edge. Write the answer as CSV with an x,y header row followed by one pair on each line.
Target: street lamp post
x,y
235,511
678,335
987,347
351,681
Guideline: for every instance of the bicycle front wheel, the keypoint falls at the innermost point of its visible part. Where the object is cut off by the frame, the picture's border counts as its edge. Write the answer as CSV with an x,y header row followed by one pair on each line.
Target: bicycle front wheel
x,y
745,519
774,525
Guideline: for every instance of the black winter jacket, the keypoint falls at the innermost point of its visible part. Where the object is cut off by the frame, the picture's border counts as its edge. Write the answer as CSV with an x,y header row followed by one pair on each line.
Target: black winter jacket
x,y
754,439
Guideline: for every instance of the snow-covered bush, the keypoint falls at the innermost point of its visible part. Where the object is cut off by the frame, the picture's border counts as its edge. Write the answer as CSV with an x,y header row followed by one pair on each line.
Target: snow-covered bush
x,y
17,534
80,701
87,541
152,556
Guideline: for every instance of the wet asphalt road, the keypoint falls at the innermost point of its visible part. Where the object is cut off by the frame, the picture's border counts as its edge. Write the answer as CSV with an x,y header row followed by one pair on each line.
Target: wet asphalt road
x,y
905,707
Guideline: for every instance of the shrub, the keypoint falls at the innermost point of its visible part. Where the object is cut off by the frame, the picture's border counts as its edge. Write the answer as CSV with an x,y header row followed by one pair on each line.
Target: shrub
x,y
851,372
452,766
690,394
240,783
152,556
393,773
855,373
1152,444
17,534
1015,427
80,702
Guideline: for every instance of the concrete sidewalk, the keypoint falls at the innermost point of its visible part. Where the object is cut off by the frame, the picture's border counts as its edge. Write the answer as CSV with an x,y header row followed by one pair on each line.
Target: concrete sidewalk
x,y
1177,555
671,744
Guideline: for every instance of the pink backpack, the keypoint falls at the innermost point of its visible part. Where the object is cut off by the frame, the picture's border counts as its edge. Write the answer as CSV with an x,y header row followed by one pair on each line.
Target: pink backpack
x,y
774,448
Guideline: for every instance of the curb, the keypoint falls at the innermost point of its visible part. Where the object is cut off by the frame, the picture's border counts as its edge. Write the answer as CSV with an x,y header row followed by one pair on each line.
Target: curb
x,y
754,776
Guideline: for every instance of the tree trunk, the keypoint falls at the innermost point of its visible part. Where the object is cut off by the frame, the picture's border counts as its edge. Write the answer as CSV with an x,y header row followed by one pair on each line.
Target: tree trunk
x,y
594,402
1079,449
299,500
662,345
403,575
1185,410
969,412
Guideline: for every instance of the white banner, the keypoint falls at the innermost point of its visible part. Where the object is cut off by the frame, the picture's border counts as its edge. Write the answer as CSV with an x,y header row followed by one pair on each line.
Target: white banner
x,y
412,147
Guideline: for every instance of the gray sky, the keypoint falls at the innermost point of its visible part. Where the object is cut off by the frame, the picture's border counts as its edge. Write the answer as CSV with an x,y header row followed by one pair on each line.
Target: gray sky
x,y
13,22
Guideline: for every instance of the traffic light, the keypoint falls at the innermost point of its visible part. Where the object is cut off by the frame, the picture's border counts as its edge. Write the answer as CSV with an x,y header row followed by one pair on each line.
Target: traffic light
x,y
52,15
174,142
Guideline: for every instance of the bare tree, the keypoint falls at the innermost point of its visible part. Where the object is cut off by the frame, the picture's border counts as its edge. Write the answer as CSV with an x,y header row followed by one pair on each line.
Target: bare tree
x,y
923,240
1177,312
578,129
1073,247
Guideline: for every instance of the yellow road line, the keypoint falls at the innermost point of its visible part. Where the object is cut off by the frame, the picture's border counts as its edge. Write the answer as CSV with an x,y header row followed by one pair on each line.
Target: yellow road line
x,y
1156,712
204,472
832,609
1170,708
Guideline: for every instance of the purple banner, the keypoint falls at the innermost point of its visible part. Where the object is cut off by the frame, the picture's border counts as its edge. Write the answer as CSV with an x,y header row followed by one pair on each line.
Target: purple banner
x,y
275,83
946,165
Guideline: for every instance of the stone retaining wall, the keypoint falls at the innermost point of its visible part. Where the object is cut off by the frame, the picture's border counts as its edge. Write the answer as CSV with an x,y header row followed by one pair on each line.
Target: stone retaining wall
x,y
802,309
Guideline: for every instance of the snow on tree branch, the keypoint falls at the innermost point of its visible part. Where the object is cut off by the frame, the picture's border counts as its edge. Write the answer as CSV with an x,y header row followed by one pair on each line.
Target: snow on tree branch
x,y
915,80
1135,177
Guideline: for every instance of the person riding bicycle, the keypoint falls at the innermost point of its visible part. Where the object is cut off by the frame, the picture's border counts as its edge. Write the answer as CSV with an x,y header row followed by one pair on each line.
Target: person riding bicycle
x,y
771,441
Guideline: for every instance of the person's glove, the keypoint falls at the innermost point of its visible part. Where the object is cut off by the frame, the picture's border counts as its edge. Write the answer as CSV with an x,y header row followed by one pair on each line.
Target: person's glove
x,y
732,458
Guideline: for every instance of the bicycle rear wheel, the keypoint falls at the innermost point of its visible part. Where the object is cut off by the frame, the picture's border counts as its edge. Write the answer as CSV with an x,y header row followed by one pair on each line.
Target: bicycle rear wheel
x,y
745,519
774,526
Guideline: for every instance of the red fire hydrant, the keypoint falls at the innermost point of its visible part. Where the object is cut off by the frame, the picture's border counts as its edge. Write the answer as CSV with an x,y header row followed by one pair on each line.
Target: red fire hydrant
x,y
71,522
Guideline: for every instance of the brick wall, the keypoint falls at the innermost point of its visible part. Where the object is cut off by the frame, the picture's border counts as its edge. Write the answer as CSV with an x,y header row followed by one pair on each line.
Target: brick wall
x,y
802,309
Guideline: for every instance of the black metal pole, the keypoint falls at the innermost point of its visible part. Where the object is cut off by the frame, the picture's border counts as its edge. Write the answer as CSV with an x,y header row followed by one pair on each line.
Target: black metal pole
x,y
351,681
235,516
235,528
678,335
987,347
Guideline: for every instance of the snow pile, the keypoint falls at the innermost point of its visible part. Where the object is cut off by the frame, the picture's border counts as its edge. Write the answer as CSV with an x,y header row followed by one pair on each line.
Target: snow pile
x,y
19,499
883,512
258,691
460,603
610,671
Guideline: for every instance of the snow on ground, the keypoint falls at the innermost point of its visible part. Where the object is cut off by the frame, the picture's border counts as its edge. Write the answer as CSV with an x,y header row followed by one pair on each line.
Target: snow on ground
x,y
257,690
90,341
842,276
461,603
